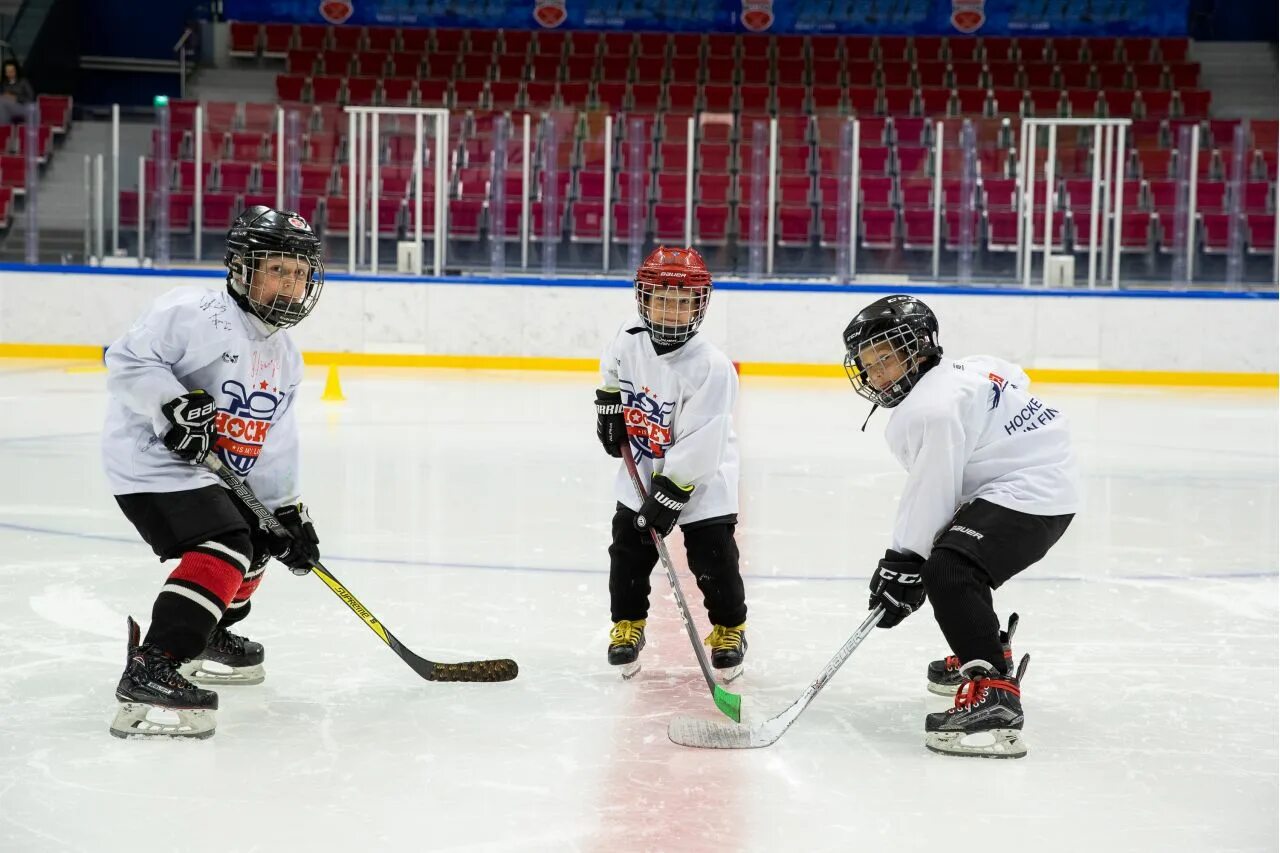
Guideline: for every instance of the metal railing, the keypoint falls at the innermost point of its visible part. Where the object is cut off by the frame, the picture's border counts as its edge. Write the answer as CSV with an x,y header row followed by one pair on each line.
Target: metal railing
x,y
584,193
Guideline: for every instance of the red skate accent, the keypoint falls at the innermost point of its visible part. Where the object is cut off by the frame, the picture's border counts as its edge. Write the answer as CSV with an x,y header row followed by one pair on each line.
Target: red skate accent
x,y
975,690
219,577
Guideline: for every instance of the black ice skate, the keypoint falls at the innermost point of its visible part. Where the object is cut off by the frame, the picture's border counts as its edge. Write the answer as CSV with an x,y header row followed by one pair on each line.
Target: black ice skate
x,y
227,659
151,684
986,721
728,648
944,675
626,639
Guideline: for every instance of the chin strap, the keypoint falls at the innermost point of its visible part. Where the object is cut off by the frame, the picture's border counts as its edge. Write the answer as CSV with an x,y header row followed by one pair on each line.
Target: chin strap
x,y
874,406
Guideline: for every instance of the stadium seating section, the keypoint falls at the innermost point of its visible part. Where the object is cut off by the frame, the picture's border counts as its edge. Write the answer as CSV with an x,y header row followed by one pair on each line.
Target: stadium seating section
x,y
710,97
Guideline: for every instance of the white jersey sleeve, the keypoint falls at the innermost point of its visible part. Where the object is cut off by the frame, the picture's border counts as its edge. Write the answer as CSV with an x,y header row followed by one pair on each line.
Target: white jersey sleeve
x,y
609,364
141,364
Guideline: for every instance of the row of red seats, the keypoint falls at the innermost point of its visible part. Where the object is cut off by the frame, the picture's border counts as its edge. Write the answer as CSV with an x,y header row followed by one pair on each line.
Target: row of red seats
x,y
218,209
880,228
223,116
1140,232
248,145
249,39
230,176
994,230
1078,75
650,97
55,120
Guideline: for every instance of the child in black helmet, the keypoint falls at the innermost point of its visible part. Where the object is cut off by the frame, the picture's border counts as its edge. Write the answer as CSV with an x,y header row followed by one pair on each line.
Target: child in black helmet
x,y
991,486
210,371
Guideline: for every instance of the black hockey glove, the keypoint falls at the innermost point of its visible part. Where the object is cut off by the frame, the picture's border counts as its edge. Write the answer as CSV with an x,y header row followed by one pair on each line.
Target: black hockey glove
x,y
897,586
611,429
193,432
301,547
661,509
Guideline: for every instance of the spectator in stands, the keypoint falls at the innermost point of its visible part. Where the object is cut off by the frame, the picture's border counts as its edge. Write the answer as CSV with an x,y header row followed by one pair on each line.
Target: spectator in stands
x,y
15,94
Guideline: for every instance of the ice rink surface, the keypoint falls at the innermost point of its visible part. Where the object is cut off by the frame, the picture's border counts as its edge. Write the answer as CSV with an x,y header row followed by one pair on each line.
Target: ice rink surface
x,y
470,512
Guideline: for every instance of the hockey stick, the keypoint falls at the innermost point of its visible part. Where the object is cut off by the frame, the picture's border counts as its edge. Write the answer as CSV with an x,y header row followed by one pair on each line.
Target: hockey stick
x,y
710,734
472,670
729,703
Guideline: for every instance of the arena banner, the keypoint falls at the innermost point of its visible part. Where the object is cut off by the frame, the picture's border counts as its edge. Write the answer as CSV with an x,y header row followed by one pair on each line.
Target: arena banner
x,y
920,17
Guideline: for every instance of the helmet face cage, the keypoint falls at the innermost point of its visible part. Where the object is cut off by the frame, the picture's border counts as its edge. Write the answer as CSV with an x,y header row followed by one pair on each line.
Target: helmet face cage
x,y
671,309
898,346
282,288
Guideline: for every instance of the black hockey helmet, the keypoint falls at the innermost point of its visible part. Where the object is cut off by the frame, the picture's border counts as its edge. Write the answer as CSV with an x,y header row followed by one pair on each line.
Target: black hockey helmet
x,y
273,263
900,327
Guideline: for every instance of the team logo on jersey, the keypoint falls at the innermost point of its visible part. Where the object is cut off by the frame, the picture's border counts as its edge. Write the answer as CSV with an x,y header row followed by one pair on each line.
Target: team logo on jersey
x,y
244,424
648,420
997,388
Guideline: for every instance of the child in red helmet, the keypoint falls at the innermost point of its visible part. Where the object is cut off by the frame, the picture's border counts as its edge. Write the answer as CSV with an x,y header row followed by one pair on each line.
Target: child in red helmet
x,y
668,395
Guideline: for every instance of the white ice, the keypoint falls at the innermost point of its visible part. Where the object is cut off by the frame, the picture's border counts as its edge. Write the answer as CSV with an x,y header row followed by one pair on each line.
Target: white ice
x,y
470,512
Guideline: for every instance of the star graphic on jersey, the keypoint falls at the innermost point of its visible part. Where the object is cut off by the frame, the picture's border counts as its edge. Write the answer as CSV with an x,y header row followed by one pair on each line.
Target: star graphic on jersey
x,y
263,385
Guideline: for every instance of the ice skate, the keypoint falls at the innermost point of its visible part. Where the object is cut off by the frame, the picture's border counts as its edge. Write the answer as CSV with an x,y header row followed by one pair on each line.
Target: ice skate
x,y
986,721
728,648
156,700
227,659
626,639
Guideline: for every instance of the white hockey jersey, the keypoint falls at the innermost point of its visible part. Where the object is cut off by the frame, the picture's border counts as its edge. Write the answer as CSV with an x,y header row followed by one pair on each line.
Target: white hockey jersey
x,y
971,429
678,408
199,338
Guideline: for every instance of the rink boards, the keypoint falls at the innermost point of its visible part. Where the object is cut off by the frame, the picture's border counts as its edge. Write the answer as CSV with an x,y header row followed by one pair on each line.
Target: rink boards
x,y
1142,337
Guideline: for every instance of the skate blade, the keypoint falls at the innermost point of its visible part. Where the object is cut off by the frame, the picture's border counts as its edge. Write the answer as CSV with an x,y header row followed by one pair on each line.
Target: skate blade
x,y
209,672
138,719
948,690
629,670
730,673
996,743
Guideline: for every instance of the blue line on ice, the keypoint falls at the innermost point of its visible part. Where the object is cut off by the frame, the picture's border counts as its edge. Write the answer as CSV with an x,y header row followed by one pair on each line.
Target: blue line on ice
x,y
560,570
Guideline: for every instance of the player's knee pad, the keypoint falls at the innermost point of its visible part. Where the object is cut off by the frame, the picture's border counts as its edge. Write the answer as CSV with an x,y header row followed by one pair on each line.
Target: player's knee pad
x,y
949,571
712,549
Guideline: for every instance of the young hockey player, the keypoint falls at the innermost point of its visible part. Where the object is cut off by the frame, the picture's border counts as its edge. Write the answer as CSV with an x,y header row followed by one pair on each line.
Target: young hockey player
x,y
210,371
669,396
991,486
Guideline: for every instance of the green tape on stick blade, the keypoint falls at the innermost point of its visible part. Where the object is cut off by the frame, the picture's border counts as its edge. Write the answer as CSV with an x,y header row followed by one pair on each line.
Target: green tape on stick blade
x,y
729,703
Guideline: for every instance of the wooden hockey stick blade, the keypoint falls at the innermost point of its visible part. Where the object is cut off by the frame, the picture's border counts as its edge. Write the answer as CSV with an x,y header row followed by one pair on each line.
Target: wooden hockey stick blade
x,y
499,669
714,734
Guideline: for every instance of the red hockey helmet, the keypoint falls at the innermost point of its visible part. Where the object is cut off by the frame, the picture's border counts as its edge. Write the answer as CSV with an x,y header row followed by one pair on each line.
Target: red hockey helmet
x,y
673,288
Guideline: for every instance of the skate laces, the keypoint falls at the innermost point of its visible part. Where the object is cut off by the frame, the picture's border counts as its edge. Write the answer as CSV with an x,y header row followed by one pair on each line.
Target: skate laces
x,y
723,637
160,667
626,632
223,640
974,690
952,663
